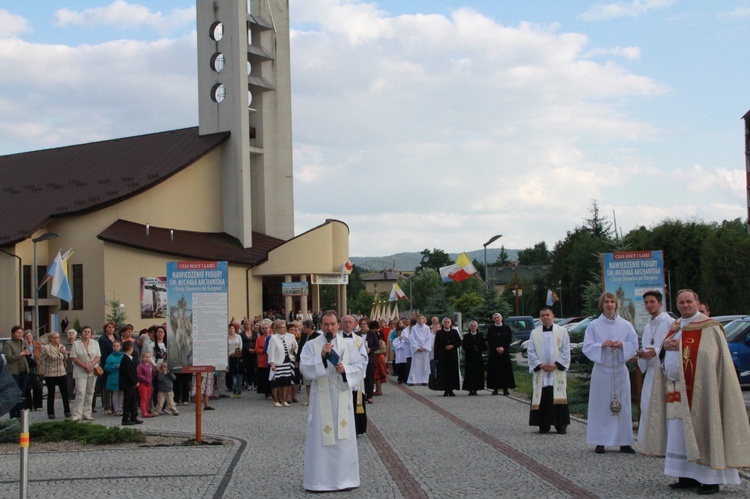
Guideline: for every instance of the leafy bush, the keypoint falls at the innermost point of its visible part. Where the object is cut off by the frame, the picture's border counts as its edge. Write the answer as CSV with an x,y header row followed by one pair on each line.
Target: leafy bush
x,y
10,430
86,433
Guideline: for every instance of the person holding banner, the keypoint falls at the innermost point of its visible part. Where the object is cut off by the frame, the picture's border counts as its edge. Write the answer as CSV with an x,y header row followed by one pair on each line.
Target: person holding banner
x,y
332,363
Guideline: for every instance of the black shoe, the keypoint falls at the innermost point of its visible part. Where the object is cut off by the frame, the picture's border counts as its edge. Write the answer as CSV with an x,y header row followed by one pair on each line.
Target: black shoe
x,y
543,429
562,430
128,423
506,392
708,489
137,421
627,449
451,394
495,392
599,449
446,393
685,483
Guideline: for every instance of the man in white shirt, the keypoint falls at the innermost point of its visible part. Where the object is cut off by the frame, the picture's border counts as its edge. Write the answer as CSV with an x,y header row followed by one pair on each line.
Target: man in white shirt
x,y
648,356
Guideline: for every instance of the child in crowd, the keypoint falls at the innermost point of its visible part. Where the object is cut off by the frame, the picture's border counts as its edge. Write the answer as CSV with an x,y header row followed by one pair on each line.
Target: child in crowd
x,y
237,371
112,368
146,372
165,387
207,389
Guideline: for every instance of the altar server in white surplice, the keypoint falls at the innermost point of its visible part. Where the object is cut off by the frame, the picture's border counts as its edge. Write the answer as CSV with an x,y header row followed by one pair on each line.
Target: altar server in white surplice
x,y
610,341
420,342
654,333
331,459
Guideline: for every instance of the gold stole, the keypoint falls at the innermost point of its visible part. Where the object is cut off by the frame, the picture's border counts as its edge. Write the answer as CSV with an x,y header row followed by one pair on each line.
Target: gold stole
x,y
559,385
324,401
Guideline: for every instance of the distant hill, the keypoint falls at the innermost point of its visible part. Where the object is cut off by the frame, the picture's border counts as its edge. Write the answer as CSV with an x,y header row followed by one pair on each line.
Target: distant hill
x,y
402,262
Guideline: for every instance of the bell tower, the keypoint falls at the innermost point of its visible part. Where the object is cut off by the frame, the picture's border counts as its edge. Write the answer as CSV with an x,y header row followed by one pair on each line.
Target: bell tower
x,y
244,85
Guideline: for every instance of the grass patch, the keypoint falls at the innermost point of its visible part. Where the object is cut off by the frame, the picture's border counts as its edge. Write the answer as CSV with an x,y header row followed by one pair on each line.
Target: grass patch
x,y
85,433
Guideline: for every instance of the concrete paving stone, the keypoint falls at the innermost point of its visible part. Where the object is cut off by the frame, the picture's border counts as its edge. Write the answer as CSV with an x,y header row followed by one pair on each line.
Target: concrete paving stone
x,y
480,454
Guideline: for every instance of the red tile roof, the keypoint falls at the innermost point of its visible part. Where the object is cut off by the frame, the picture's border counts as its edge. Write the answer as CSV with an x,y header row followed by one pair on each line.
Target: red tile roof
x,y
213,246
37,186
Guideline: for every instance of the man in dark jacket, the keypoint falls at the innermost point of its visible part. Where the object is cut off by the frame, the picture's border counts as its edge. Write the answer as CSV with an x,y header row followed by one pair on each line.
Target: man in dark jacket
x,y
129,386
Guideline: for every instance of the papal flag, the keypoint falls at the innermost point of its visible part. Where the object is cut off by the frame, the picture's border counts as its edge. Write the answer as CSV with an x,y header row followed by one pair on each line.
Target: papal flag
x,y
397,293
551,298
460,271
58,274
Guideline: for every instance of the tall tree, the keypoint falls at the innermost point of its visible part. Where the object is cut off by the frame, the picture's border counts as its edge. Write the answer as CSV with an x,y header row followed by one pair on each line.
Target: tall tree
x,y
538,255
433,260
502,258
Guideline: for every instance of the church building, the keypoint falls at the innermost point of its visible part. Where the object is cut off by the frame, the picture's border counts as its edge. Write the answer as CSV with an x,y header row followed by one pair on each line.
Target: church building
x,y
220,191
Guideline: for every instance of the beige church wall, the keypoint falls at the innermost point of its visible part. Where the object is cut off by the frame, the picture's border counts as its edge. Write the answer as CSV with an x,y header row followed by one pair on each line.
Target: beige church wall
x,y
125,266
319,251
10,298
10,290
189,200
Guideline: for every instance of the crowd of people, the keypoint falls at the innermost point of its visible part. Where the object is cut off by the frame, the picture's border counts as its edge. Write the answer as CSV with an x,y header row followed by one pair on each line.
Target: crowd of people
x,y
692,410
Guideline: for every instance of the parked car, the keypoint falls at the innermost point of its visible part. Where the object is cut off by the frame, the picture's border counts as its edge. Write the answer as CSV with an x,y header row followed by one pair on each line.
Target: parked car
x,y
521,326
568,322
738,339
726,319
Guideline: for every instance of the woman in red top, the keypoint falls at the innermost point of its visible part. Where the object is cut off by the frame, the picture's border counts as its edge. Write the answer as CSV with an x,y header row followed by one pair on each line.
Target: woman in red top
x,y
262,357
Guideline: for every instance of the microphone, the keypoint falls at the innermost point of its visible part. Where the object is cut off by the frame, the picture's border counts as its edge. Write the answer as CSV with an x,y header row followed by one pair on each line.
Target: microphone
x,y
329,337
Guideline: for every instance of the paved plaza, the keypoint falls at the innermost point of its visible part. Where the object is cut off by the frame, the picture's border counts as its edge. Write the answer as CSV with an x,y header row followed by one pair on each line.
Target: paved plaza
x,y
418,444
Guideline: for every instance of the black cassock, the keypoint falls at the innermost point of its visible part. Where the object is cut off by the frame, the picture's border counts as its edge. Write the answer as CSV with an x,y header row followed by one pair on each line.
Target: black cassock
x,y
473,346
499,366
447,360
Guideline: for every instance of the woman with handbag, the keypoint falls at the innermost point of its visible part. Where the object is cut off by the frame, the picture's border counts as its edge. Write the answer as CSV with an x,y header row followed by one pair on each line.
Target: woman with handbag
x,y
34,395
52,363
86,356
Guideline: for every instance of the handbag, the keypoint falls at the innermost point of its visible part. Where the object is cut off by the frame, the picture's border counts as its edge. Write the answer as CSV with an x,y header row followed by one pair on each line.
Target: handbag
x,y
36,382
98,371
432,384
381,348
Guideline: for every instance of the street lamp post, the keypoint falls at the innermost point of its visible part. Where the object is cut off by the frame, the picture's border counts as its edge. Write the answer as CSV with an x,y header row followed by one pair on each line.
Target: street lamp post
x,y
492,240
43,237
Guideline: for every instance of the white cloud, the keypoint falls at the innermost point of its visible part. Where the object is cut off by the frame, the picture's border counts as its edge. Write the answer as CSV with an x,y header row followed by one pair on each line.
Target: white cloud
x,y
737,13
68,95
418,131
629,53
12,25
123,15
634,8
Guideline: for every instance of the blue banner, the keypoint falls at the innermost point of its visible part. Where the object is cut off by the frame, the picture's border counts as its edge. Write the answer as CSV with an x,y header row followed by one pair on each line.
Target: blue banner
x,y
629,274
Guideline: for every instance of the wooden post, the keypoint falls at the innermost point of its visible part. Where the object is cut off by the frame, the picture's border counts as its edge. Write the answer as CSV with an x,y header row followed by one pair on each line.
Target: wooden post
x,y
198,371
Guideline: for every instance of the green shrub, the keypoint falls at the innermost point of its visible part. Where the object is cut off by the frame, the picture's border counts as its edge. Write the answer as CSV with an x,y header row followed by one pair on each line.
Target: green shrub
x,y
86,433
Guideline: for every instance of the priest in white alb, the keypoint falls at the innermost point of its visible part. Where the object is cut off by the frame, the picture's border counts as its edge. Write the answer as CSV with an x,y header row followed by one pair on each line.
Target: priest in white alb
x,y
420,342
332,363
549,359
610,341
654,332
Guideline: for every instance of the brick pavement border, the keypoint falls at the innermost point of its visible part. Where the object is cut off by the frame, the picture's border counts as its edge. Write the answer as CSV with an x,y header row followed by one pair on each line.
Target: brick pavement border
x,y
404,480
547,474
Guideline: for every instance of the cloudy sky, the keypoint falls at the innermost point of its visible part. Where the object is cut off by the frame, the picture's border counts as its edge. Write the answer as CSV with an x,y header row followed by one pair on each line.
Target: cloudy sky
x,y
429,123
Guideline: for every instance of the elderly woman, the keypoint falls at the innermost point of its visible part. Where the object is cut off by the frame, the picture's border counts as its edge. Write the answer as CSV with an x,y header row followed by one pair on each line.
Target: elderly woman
x,y
34,394
282,348
294,329
473,346
52,365
86,356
